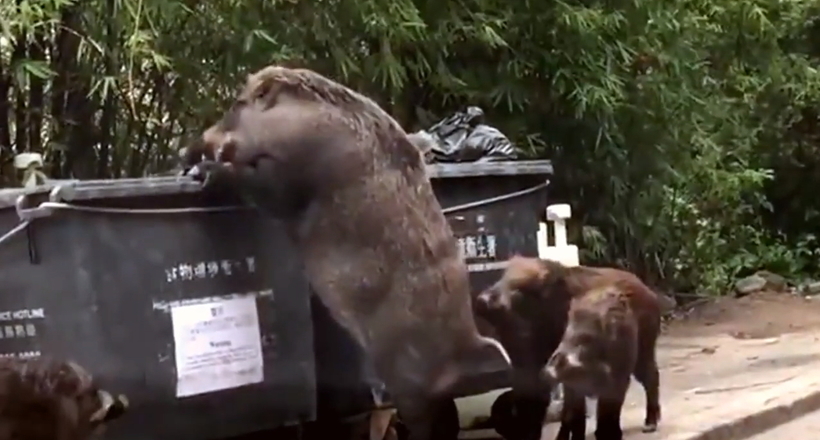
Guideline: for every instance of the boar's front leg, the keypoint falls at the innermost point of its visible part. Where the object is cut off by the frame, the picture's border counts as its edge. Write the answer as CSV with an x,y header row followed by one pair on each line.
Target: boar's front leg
x,y
266,185
609,413
573,416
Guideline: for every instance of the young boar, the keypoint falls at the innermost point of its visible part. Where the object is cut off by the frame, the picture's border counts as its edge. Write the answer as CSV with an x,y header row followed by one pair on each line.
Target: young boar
x,y
528,315
352,191
606,342
533,304
47,399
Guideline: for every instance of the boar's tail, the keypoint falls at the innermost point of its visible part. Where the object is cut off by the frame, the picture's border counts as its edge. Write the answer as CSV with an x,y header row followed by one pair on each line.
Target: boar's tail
x,y
482,367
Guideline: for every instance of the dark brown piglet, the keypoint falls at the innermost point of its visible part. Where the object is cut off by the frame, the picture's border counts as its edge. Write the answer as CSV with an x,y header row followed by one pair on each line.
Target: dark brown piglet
x,y
610,337
46,399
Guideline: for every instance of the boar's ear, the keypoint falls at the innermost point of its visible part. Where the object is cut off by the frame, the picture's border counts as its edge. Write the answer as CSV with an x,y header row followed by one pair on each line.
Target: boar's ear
x,y
264,88
526,272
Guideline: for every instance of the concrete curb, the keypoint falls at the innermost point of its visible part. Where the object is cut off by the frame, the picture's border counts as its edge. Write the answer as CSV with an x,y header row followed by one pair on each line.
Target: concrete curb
x,y
779,405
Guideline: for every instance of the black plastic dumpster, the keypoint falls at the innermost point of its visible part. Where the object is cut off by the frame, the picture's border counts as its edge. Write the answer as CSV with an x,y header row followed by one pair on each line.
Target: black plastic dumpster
x,y
115,274
494,209
155,303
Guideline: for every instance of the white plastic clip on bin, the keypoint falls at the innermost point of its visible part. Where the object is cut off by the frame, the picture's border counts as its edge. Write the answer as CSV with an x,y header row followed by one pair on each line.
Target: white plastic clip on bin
x,y
31,164
561,251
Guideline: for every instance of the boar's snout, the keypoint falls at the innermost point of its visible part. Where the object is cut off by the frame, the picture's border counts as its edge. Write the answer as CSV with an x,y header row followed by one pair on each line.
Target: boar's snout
x,y
562,365
575,369
492,300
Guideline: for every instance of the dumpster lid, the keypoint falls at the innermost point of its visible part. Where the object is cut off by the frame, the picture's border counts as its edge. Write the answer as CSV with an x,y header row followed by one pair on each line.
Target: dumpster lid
x,y
68,190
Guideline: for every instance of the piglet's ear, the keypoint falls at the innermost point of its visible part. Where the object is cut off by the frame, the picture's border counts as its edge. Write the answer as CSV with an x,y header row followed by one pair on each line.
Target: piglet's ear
x,y
526,272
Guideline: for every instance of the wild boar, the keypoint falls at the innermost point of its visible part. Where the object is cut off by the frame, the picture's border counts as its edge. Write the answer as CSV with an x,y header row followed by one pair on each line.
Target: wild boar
x,y
529,321
604,344
48,399
353,194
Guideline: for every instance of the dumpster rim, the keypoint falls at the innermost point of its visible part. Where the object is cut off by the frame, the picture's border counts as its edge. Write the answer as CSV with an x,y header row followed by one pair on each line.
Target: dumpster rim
x,y
68,190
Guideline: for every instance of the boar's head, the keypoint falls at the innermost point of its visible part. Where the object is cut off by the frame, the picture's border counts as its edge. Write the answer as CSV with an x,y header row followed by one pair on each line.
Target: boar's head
x,y
527,308
598,337
77,408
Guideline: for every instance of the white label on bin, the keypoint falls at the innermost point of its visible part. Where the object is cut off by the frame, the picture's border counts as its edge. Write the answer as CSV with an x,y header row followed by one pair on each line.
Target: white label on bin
x,y
217,345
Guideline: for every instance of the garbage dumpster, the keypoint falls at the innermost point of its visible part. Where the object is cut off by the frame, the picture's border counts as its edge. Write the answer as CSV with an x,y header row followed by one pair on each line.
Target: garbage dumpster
x,y
196,310
494,210
118,274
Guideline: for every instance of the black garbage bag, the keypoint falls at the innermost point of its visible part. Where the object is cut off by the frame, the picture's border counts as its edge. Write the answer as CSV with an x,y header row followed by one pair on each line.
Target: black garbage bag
x,y
463,138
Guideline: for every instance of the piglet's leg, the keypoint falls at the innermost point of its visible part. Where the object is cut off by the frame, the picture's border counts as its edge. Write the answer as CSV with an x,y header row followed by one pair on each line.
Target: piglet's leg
x,y
609,414
573,416
646,372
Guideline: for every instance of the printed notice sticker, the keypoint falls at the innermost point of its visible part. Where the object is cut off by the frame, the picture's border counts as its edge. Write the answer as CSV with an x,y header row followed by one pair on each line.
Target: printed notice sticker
x,y
217,345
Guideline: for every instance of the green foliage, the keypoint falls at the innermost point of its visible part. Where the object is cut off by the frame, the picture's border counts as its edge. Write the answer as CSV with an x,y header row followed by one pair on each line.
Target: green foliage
x,y
684,133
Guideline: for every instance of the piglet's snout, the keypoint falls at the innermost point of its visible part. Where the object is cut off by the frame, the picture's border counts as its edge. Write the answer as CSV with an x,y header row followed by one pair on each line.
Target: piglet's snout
x,y
561,365
486,301
482,301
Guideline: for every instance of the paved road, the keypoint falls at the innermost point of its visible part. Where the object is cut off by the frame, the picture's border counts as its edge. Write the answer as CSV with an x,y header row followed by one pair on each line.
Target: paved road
x,y
805,427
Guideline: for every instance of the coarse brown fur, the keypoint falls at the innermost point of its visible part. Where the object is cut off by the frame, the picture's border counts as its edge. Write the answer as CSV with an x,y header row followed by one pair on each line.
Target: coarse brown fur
x,y
47,399
355,198
530,307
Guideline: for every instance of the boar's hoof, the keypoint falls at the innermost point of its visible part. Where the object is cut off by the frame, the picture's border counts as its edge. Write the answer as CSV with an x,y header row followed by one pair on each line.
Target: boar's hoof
x,y
649,427
209,172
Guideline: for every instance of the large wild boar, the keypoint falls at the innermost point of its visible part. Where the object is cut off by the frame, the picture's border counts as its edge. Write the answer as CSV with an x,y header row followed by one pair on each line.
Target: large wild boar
x,y
355,198
47,399
592,327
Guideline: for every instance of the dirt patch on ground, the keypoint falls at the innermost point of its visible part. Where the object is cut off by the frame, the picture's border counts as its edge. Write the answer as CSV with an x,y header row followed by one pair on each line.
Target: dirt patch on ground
x,y
760,315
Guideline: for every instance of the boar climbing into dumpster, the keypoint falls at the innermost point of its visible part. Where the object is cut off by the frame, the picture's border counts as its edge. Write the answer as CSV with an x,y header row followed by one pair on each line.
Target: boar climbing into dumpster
x,y
353,194
592,327
48,399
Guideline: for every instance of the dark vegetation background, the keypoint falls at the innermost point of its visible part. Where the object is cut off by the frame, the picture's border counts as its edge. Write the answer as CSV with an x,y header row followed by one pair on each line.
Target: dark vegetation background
x,y
684,133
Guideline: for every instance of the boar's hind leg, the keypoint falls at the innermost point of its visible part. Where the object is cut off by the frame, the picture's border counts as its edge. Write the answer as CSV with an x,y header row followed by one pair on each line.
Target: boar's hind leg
x,y
646,372
573,416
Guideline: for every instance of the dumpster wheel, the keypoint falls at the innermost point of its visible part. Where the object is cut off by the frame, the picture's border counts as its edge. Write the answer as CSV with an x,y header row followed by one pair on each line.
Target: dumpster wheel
x,y
510,422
